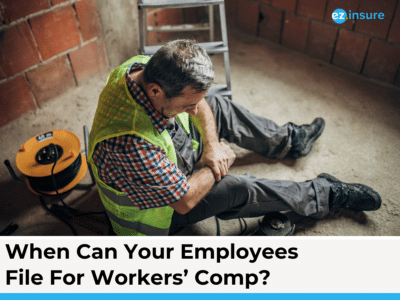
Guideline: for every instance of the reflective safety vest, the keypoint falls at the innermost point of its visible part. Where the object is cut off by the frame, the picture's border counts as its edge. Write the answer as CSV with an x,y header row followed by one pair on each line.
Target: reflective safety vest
x,y
118,114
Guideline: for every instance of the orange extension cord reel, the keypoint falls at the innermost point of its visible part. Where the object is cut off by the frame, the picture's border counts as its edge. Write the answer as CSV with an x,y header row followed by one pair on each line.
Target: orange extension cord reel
x,y
51,162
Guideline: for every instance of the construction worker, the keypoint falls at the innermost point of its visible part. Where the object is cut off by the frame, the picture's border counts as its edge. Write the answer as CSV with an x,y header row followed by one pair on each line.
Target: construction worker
x,y
155,124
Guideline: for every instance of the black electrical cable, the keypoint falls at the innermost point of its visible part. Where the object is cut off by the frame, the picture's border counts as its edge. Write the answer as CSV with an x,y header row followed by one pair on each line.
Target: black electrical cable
x,y
245,226
218,226
74,211
54,177
242,230
63,178
58,216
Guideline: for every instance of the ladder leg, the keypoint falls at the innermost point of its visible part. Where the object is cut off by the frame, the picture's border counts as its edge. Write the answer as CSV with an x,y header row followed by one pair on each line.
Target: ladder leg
x,y
141,36
227,71
223,24
146,33
211,21
224,32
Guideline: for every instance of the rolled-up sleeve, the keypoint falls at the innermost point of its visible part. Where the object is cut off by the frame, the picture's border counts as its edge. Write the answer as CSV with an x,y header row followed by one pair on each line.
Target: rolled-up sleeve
x,y
141,170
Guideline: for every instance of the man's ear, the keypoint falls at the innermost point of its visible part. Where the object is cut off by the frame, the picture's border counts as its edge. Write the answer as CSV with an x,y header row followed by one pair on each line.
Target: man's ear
x,y
154,91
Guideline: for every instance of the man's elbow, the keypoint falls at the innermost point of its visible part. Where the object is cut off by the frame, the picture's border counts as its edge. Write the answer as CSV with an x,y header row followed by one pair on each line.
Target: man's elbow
x,y
182,207
182,210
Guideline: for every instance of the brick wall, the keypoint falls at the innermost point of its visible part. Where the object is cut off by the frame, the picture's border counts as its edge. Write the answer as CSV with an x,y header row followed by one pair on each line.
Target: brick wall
x,y
49,46
368,47
46,47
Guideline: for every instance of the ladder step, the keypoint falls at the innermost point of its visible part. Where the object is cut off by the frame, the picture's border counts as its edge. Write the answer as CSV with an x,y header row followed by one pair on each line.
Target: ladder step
x,y
211,47
183,27
221,89
176,3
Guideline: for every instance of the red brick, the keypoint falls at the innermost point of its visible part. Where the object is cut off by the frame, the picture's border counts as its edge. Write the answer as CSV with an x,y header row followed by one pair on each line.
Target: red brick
x,y
268,2
247,16
350,50
192,15
16,9
18,51
288,5
295,31
394,33
231,9
377,28
51,79
55,2
15,99
343,4
56,31
169,16
270,26
152,38
88,19
383,61
314,9
88,61
321,40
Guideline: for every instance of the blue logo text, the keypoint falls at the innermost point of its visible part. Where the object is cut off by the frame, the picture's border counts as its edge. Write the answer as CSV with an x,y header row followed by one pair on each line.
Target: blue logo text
x,y
339,15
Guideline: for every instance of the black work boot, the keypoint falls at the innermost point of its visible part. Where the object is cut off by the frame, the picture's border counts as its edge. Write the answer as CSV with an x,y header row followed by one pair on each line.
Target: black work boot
x,y
304,136
353,196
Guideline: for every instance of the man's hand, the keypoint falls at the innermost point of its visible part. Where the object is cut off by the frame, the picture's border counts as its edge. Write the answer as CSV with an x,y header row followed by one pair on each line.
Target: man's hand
x,y
216,155
219,157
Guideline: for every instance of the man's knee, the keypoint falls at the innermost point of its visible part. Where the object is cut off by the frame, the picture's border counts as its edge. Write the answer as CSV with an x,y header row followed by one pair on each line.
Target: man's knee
x,y
237,188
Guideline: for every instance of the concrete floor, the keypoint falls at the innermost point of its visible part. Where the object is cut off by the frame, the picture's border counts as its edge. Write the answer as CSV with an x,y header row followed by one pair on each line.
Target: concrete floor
x,y
360,143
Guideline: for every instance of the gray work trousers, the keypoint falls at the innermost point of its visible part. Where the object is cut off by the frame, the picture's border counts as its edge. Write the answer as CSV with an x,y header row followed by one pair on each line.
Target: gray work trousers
x,y
246,196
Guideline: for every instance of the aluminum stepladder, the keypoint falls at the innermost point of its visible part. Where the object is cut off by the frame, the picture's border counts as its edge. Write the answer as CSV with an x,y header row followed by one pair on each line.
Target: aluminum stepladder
x,y
212,47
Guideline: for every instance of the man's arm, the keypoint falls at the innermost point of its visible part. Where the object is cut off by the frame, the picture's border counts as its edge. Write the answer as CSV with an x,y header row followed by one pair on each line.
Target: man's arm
x,y
200,184
204,122
215,154
216,159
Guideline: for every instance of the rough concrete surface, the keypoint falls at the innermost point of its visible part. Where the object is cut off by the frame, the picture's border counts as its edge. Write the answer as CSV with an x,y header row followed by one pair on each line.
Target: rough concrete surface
x,y
120,29
360,142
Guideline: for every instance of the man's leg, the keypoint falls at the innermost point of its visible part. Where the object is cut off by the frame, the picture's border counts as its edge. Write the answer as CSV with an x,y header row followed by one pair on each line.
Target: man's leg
x,y
246,196
250,131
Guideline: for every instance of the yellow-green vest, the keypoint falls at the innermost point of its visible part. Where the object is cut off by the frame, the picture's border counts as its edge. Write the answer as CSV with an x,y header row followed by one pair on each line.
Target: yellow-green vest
x,y
118,114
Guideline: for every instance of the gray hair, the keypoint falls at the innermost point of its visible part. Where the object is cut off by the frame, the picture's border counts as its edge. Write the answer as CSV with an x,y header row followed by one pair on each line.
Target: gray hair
x,y
179,64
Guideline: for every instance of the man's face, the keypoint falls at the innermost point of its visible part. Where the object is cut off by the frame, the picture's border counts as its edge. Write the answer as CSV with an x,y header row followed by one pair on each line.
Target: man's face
x,y
187,102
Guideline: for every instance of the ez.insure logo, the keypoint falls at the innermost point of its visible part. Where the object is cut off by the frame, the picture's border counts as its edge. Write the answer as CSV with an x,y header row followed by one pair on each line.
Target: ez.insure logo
x,y
340,16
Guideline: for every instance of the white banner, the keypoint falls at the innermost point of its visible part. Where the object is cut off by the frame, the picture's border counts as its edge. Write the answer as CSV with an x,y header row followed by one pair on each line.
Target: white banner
x,y
199,265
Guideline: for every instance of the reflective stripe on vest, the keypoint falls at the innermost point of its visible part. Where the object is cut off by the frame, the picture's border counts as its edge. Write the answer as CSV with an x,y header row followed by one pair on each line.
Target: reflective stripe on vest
x,y
119,200
137,226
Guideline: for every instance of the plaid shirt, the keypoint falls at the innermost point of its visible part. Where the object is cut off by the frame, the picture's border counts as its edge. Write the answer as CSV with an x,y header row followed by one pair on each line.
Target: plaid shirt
x,y
136,167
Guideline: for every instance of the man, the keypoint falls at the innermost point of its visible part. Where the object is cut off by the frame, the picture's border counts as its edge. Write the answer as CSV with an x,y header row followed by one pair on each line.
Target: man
x,y
154,123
